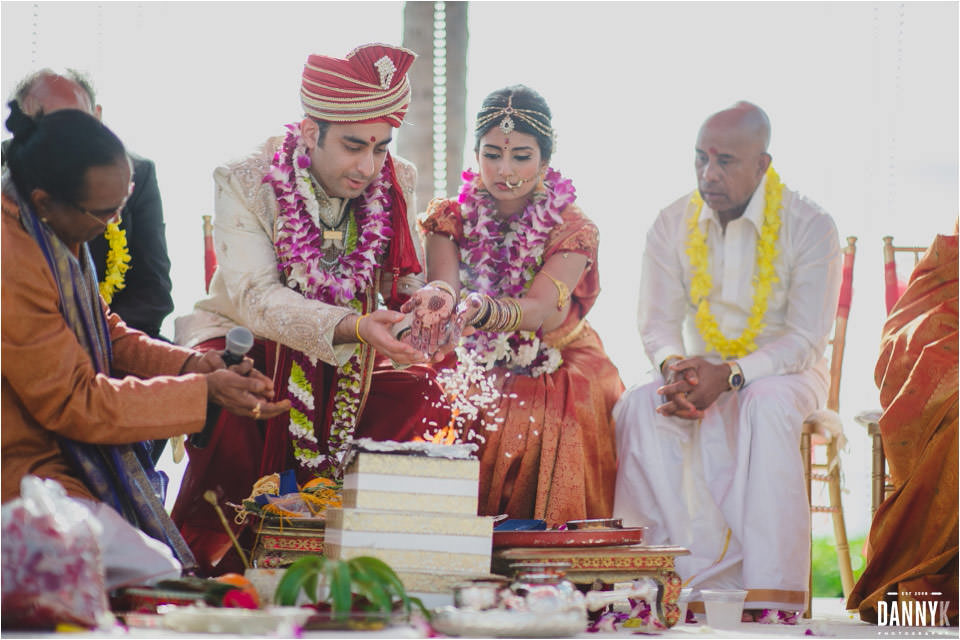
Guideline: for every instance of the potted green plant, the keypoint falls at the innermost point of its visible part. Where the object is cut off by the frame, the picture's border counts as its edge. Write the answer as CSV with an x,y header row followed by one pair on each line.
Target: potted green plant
x,y
378,589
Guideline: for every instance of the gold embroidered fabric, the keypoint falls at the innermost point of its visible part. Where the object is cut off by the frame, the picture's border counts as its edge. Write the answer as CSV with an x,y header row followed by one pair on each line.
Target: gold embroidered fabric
x,y
571,237
443,217
247,288
407,177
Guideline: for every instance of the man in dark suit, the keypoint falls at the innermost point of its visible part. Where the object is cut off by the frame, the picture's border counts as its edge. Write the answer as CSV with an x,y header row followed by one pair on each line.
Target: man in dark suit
x,y
143,300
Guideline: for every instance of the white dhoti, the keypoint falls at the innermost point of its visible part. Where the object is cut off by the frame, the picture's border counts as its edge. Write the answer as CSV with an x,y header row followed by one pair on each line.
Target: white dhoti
x,y
729,488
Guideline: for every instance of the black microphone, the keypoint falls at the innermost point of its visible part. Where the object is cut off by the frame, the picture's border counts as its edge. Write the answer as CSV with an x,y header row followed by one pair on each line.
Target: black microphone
x,y
239,340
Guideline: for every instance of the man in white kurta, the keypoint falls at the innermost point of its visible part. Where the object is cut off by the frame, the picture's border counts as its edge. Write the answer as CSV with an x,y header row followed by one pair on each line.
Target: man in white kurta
x,y
709,456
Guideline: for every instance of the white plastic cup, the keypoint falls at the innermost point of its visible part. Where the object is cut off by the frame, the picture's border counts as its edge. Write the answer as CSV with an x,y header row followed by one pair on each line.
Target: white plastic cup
x,y
265,582
682,603
724,607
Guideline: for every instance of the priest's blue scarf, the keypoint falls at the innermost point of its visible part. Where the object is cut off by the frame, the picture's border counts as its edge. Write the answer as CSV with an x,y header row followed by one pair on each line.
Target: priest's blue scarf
x,y
122,476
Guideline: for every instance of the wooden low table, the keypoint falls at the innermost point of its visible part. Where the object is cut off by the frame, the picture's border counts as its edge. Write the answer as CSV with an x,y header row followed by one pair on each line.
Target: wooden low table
x,y
282,541
607,566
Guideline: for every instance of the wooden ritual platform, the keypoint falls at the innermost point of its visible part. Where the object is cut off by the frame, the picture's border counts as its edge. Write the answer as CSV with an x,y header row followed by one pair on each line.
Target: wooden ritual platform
x,y
600,567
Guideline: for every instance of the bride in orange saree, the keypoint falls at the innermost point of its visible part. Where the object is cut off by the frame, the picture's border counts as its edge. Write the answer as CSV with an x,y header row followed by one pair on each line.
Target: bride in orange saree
x,y
525,257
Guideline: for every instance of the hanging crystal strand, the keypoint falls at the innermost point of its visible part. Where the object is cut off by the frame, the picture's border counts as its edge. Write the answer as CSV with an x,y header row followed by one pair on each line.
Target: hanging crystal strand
x,y
439,99
35,35
100,39
898,107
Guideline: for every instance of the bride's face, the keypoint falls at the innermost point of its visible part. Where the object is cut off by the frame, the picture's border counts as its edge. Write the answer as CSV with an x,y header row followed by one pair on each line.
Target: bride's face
x,y
509,167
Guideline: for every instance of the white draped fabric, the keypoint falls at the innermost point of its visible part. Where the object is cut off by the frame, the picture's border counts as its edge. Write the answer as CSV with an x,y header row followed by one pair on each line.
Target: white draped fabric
x,y
730,487
738,469
247,287
130,557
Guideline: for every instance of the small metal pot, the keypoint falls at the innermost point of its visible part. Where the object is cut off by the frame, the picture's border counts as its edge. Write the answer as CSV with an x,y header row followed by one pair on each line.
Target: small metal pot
x,y
479,594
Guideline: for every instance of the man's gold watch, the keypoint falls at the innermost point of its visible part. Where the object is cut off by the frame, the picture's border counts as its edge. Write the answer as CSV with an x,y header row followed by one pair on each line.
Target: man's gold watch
x,y
736,379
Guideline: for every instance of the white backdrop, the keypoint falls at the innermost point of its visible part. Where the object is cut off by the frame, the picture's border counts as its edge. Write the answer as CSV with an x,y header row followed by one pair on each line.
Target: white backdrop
x,y
862,99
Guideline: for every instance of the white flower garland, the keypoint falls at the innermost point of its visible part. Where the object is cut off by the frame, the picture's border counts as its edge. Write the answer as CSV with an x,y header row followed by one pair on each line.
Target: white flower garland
x,y
502,261
298,256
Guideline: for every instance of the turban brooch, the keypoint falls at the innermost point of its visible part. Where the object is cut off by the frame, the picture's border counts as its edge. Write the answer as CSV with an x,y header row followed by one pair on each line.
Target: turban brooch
x,y
369,85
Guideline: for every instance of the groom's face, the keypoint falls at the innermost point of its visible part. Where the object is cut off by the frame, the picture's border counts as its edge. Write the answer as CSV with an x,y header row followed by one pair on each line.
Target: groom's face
x,y
349,157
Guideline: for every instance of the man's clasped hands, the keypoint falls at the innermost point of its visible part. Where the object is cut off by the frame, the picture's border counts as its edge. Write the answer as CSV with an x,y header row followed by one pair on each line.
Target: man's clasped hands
x,y
691,385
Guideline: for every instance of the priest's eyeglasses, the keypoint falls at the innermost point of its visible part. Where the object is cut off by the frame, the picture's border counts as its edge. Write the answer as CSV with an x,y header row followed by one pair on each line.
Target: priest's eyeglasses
x,y
104,216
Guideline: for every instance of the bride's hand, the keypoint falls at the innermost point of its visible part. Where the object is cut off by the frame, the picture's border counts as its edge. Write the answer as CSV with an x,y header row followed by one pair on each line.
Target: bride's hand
x,y
433,310
458,326
466,312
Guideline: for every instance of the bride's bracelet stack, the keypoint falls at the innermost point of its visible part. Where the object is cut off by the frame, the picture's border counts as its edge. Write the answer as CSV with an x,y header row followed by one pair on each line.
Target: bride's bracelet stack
x,y
499,315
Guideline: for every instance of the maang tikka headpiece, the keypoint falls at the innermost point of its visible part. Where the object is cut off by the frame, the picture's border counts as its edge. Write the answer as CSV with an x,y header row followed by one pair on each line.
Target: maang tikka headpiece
x,y
539,121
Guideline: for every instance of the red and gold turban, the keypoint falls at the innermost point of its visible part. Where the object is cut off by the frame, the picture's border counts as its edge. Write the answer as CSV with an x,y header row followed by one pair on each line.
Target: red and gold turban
x,y
369,85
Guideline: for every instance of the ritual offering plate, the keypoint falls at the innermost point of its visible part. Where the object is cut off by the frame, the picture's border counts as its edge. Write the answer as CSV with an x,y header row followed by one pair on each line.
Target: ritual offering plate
x,y
282,621
503,622
568,538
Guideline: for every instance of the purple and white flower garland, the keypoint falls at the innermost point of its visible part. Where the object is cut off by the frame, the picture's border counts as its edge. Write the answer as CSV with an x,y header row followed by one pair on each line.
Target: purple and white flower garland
x,y
501,260
298,240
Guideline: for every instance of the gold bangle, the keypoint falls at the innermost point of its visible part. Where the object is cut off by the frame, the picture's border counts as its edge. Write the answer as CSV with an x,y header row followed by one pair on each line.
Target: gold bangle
x,y
492,318
505,315
515,316
563,291
443,285
482,315
499,323
493,323
356,329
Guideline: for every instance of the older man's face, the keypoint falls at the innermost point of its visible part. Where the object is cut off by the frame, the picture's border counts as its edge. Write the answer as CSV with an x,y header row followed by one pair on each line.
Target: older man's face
x,y
730,163
54,93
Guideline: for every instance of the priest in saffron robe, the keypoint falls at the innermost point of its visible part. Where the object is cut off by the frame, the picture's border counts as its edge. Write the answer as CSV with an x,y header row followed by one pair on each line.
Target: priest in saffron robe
x,y
311,231
913,537
82,393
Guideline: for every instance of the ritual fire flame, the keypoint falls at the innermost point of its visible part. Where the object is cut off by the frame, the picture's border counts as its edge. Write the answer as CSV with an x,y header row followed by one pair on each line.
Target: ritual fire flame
x,y
444,435
473,398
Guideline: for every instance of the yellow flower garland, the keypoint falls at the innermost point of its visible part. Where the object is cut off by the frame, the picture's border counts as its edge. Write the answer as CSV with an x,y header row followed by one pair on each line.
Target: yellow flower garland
x,y
118,259
763,278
